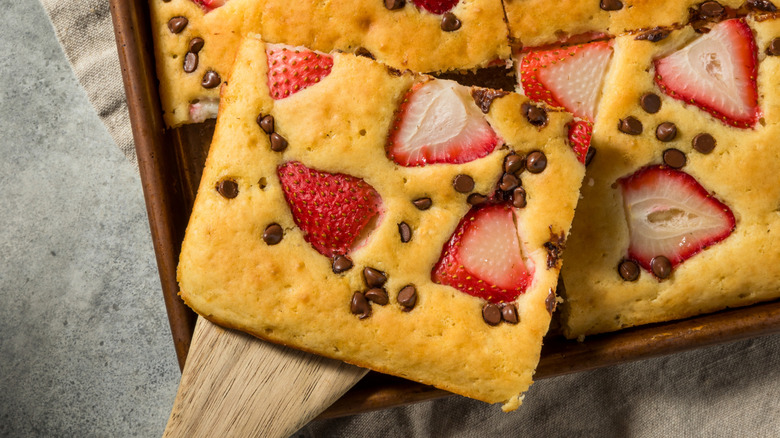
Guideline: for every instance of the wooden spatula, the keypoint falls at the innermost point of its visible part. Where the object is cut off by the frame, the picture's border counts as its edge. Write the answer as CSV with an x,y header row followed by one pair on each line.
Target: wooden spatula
x,y
235,385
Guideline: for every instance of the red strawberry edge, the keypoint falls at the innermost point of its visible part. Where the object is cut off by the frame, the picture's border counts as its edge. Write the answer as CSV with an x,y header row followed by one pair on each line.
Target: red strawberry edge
x,y
437,7
451,272
528,76
292,69
580,133
475,150
209,5
691,182
331,209
744,30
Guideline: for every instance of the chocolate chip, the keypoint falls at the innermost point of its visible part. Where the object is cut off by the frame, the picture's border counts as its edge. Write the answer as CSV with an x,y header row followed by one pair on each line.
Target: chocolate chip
x,y
374,277
628,270
278,143
630,125
422,203
360,306
273,234
711,9
773,49
210,79
519,197
550,302
190,62
762,5
393,71
703,143
394,4
650,102
513,163
554,247
674,158
611,5
362,51
491,314
666,131
266,123
484,97
405,231
661,267
196,44
700,26
476,199
377,295
407,297
509,313
227,188
535,115
508,182
449,22
589,155
536,162
177,24
463,183
341,263
653,35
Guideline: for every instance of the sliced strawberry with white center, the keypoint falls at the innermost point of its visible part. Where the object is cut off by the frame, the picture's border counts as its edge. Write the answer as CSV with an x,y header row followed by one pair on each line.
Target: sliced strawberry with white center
x,y
717,73
580,133
569,77
670,214
336,212
436,6
483,257
438,122
209,5
291,69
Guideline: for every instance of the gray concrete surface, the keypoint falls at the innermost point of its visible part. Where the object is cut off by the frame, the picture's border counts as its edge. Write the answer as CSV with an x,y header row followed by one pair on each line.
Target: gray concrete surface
x,y
85,347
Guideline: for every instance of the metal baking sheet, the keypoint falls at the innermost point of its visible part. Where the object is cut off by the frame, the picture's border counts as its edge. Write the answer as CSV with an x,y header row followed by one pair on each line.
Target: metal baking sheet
x,y
170,164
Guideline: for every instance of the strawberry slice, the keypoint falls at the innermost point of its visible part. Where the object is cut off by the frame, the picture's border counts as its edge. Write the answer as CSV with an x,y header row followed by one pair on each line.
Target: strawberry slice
x,y
209,5
580,133
291,69
204,109
483,257
670,214
569,77
436,6
336,212
438,122
717,73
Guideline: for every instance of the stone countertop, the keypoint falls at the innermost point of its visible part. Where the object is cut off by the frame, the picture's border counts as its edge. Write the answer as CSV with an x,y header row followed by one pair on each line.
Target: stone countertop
x,y
85,347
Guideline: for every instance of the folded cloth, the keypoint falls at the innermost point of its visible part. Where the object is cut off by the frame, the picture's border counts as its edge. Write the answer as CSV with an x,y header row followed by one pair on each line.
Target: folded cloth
x,y
720,391
86,33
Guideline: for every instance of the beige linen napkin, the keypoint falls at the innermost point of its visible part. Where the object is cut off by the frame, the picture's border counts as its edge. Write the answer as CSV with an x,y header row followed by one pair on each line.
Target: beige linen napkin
x,y
86,33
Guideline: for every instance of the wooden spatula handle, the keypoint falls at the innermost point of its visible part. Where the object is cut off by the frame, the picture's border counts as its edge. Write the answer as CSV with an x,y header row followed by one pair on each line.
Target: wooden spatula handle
x,y
236,385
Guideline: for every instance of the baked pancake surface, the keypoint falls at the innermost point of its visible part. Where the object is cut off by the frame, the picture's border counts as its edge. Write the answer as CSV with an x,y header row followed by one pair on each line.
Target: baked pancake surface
x,y
365,223
690,174
464,35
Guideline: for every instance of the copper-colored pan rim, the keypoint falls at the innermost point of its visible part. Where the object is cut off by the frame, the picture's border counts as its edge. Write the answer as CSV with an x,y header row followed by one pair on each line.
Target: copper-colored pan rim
x,y
167,218
131,29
